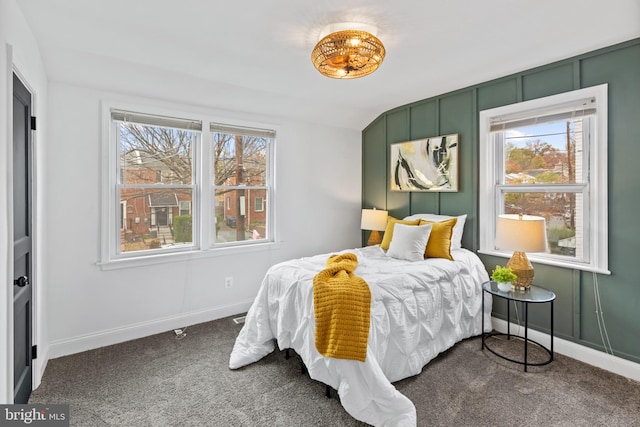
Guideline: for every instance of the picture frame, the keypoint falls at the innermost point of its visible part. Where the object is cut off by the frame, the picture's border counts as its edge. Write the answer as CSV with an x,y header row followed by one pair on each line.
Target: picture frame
x,y
425,165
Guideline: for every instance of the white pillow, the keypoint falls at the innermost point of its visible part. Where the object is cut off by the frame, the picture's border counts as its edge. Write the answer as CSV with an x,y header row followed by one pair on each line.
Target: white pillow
x,y
409,241
458,229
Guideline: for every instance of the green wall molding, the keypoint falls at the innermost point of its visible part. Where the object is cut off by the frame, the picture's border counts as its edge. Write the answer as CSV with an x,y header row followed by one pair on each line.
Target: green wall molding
x,y
458,112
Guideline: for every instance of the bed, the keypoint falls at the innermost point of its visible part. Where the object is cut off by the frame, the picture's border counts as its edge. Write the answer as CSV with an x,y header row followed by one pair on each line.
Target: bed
x,y
418,310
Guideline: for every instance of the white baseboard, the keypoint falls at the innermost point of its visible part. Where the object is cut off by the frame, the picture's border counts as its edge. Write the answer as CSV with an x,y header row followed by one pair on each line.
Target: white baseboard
x,y
614,364
114,336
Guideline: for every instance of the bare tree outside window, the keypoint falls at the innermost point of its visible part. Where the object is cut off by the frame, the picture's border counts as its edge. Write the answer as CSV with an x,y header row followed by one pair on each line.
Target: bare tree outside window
x,y
156,176
163,150
240,175
160,199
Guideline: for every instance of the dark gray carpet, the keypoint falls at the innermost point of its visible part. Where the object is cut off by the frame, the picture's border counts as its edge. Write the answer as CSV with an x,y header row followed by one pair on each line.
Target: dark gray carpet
x,y
165,381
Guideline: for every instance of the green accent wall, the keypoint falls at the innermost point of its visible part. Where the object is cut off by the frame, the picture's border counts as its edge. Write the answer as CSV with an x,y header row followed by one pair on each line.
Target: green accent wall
x,y
458,112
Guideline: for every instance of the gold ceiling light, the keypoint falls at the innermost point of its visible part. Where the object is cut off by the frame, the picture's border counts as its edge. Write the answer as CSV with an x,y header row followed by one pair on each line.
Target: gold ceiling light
x,y
348,51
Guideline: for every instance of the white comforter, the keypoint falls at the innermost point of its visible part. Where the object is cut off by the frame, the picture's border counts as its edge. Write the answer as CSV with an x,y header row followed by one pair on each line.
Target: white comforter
x,y
418,309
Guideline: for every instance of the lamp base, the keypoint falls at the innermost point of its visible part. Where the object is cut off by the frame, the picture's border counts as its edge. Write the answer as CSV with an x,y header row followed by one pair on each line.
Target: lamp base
x,y
374,238
521,266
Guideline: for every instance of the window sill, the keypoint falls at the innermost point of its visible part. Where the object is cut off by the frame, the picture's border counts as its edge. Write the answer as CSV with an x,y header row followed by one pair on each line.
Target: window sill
x,y
141,261
556,263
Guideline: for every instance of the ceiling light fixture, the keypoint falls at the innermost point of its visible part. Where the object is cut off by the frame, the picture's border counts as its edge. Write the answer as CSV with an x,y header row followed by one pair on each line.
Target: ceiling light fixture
x,y
348,50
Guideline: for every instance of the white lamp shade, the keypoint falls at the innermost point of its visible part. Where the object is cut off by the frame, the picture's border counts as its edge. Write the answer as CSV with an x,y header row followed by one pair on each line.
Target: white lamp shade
x,y
523,233
373,219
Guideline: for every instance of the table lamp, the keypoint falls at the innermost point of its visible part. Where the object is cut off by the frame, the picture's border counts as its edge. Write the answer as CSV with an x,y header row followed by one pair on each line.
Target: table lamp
x,y
521,233
375,220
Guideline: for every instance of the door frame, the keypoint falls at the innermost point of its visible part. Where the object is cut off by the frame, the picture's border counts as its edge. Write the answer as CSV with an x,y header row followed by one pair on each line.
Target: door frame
x,y
162,212
6,335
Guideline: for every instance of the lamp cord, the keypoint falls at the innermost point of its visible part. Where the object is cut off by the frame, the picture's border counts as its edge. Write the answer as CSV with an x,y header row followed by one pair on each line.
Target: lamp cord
x,y
604,336
515,304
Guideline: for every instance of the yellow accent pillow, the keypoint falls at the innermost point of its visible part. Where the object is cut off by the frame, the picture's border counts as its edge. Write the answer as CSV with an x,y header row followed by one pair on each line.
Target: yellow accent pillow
x,y
388,232
439,245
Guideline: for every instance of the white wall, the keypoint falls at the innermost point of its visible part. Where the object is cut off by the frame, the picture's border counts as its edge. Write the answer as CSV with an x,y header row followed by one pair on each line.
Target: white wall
x,y
79,306
19,52
318,193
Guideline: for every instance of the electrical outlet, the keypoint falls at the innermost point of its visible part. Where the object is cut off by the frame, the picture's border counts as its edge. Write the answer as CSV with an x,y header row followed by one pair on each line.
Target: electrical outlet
x,y
228,282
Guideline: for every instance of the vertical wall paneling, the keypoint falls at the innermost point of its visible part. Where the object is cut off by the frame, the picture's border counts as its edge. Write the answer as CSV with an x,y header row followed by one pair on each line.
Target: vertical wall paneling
x,y
457,112
577,279
398,202
424,120
547,81
374,163
589,329
519,92
577,81
620,292
457,116
471,240
436,196
496,94
424,123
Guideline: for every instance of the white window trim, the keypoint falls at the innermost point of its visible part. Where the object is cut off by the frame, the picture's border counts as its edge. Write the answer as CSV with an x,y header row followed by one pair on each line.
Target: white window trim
x,y
598,207
203,245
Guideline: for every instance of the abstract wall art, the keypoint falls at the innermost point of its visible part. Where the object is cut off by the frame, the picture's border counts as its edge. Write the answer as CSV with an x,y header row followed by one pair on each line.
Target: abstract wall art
x,y
429,164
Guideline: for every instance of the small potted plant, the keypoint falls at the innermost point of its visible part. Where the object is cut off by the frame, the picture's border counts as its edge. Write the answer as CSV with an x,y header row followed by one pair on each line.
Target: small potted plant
x,y
503,276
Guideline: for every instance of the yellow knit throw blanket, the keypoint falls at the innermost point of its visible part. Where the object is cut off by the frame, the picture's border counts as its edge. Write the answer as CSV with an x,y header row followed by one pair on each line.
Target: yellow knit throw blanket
x,y
341,304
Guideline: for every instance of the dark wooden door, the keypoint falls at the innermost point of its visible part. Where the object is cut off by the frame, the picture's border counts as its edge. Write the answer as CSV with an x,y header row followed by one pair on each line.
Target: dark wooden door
x,y
22,245
161,216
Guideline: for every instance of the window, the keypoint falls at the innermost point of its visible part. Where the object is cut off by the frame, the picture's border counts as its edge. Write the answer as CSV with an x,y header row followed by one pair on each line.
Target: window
x,y
259,204
185,208
548,157
158,194
155,157
240,174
